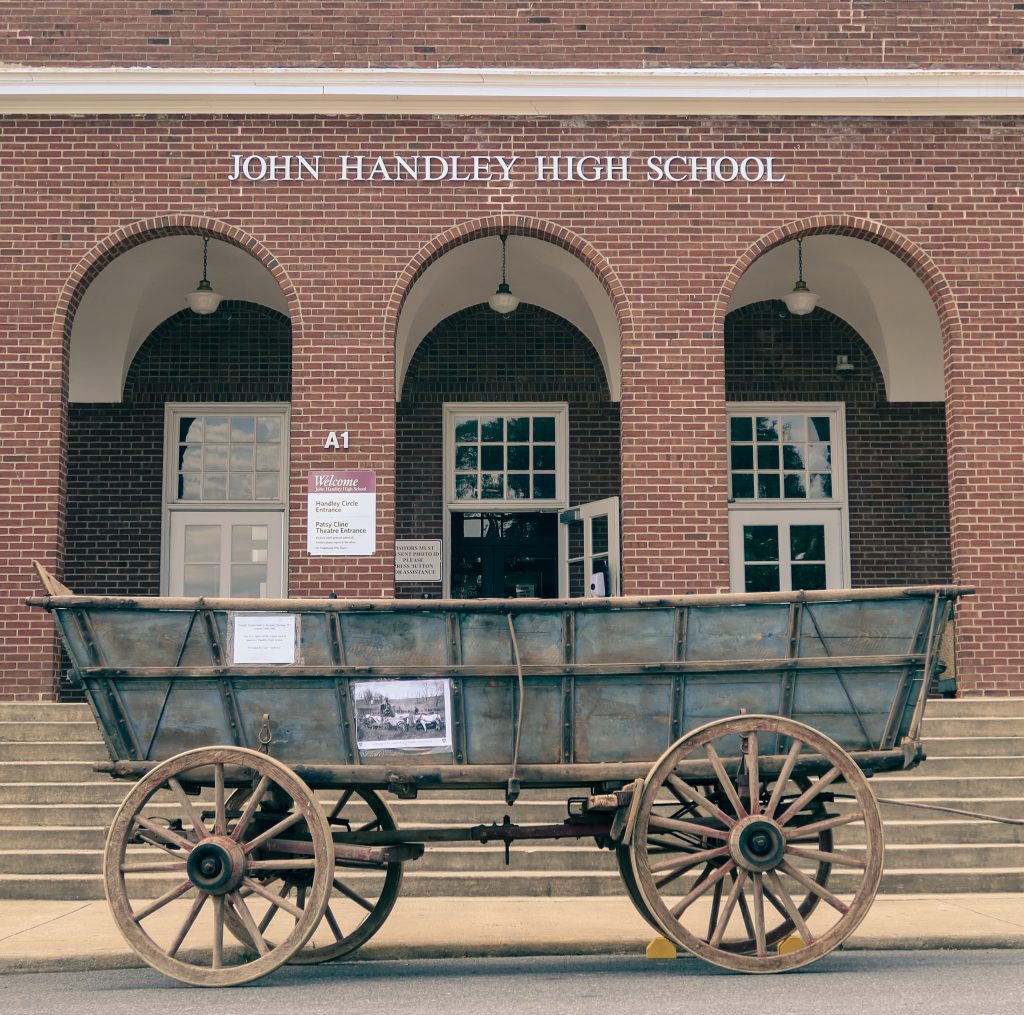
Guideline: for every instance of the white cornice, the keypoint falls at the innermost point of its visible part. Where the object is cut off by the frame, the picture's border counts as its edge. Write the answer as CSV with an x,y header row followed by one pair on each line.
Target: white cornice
x,y
726,91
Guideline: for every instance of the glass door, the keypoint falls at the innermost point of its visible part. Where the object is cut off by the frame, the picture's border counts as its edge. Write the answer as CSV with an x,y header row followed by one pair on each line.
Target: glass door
x,y
505,555
782,551
226,553
590,549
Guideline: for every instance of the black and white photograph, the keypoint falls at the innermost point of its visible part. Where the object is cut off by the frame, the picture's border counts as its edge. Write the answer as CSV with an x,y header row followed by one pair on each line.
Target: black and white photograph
x,y
402,713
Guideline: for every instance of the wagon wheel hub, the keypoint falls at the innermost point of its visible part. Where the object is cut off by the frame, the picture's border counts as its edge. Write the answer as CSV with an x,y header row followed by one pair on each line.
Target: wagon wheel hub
x,y
757,844
216,865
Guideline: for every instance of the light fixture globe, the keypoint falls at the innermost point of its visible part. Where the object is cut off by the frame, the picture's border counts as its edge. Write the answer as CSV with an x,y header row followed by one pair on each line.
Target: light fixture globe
x,y
204,300
801,300
503,302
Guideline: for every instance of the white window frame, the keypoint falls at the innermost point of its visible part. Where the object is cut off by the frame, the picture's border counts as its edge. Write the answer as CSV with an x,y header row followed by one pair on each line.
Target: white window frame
x,y
839,502
450,506
169,502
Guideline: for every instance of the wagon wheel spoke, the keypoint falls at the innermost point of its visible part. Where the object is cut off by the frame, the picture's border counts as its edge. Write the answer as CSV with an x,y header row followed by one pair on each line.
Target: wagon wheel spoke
x,y
163,833
279,901
242,824
759,936
783,780
238,903
732,889
190,812
220,822
684,791
169,896
753,774
340,805
748,924
728,788
730,905
219,864
179,940
716,907
350,893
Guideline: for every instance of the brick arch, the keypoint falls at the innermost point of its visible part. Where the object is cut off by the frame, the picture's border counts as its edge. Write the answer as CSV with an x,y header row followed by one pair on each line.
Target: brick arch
x,y
142,231
917,259
514,225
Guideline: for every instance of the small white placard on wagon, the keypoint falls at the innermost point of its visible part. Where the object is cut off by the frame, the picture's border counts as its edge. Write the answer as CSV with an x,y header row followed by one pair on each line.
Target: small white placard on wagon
x,y
264,638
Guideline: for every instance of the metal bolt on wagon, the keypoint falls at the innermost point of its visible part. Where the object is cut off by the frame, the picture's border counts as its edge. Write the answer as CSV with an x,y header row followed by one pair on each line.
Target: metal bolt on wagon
x,y
719,745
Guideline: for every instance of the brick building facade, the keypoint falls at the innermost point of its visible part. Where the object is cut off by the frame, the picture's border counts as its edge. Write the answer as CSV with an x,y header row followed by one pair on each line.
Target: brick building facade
x,y
650,329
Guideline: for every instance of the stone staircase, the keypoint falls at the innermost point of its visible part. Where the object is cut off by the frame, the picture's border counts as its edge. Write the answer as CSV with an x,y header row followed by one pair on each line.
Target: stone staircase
x,y
54,811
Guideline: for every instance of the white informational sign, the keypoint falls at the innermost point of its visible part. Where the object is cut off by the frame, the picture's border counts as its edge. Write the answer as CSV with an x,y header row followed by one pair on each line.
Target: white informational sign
x,y
396,714
417,560
264,638
342,514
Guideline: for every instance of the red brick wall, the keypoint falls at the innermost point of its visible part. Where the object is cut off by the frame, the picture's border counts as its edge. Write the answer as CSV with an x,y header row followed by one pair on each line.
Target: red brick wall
x,y
478,356
943,194
454,33
896,452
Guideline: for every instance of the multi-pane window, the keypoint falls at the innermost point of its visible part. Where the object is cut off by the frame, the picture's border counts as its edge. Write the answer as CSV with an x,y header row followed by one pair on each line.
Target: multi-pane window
x,y
229,457
785,456
506,456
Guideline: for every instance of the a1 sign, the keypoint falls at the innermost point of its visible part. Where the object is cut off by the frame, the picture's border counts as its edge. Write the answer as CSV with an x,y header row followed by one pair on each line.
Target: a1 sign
x,y
336,440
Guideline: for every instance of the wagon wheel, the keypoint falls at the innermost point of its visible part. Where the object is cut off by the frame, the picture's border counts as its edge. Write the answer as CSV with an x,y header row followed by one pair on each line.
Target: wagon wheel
x,y
726,834
354,913
807,905
209,859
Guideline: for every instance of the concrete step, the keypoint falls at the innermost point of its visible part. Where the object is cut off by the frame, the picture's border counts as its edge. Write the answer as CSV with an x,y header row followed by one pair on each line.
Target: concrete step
x,y
981,764
938,748
91,751
913,785
1007,807
1000,726
49,732
42,711
32,837
13,772
975,707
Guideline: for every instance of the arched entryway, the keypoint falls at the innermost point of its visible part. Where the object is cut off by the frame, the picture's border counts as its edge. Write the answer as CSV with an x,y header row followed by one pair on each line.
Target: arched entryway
x,y
837,426
178,426
508,426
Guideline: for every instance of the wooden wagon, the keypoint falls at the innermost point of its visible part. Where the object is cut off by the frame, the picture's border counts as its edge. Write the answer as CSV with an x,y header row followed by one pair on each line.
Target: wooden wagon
x,y
719,745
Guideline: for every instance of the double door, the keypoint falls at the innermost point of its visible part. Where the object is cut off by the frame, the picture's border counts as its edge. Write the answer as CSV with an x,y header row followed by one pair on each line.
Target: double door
x,y
535,554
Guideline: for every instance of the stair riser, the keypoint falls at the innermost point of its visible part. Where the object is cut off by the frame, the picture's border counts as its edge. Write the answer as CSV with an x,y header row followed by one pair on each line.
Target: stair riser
x,y
43,711
1004,727
973,707
969,747
49,732
15,772
973,766
91,752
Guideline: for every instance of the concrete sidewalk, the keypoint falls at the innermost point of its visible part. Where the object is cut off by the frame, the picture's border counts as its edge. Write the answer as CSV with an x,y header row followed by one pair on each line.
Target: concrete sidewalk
x,y
68,936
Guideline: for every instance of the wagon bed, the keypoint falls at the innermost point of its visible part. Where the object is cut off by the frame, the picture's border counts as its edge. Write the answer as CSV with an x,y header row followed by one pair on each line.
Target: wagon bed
x,y
710,731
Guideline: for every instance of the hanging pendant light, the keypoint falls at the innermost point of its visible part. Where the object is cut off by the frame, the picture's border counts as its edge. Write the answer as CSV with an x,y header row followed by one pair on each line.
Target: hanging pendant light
x,y
801,300
204,300
503,302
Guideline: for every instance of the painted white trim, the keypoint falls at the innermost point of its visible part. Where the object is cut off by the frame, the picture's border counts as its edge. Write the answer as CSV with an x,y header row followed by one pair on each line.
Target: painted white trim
x,y
529,91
